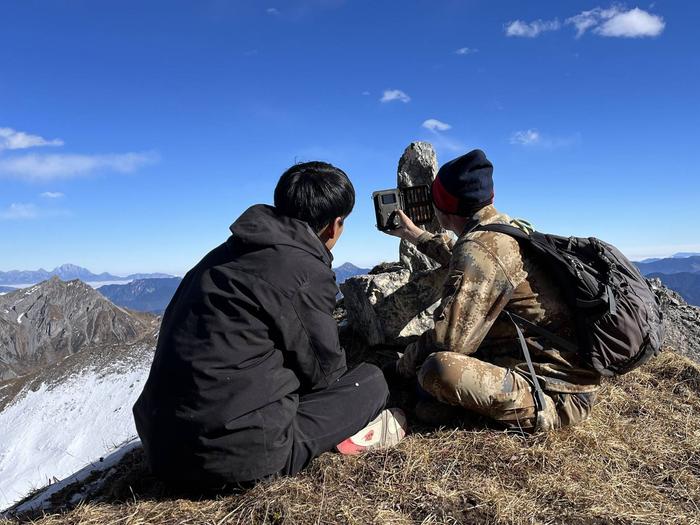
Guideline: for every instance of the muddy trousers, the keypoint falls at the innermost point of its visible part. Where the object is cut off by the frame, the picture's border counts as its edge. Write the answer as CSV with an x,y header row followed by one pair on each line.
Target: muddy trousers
x,y
498,393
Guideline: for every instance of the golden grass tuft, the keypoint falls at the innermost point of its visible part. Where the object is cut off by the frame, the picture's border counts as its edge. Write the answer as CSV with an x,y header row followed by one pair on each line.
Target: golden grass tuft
x,y
637,460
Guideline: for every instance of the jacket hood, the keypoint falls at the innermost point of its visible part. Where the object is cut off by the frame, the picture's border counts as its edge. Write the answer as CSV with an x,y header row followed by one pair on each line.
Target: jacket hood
x,y
261,225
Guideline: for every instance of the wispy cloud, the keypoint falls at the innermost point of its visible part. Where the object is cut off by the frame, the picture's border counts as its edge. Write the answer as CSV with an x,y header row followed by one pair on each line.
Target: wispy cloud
x,y
466,51
11,139
436,125
391,95
614,21
52,195
534,138
526,137
520,28
366,93
19,211
61,166
272,11
617,22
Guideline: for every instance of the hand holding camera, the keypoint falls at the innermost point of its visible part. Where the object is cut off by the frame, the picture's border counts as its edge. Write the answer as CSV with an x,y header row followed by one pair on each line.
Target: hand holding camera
x,y
399,210
407,230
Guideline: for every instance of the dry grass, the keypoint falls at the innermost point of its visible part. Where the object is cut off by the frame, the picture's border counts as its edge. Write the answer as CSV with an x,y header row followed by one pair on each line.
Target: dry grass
x,y
637,460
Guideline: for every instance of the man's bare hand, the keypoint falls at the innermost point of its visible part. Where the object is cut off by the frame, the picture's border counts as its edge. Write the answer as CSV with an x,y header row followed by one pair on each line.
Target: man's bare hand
x,y
407,230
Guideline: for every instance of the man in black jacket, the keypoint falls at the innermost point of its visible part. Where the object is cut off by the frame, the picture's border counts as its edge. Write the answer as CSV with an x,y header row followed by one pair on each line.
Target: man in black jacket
x,y
249,379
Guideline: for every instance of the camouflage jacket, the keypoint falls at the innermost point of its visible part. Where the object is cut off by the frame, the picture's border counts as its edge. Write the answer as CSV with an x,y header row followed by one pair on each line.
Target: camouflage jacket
x,y
488,272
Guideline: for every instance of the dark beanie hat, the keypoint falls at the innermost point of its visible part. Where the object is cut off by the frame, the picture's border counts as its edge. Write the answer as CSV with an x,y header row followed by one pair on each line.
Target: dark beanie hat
x,y
464,185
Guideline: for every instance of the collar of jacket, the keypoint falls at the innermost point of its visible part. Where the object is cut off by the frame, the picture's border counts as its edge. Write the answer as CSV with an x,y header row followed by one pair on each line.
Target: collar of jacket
x,y
261,225
486,215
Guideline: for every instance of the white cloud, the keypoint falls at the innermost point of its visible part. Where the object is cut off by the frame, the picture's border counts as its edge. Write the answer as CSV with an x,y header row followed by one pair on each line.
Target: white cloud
x,y
19,211
395,94
11,139
466,51
634,23
435,125
616,22
366,93
526,137
272,11
49,167
52,195
531,29
534,138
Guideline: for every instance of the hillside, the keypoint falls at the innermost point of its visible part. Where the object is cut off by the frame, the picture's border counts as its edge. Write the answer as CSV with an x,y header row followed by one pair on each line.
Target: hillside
x,y
637,460
51,320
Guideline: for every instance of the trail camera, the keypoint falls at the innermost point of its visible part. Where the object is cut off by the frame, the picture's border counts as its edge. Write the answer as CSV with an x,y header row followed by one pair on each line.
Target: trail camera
x,y
415,201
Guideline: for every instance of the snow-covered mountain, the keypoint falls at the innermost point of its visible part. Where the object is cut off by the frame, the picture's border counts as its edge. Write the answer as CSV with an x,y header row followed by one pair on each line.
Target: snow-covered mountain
x,y
55,421
71,366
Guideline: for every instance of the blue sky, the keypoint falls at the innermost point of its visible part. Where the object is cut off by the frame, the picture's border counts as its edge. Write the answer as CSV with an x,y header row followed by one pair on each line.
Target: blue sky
x,y
133,133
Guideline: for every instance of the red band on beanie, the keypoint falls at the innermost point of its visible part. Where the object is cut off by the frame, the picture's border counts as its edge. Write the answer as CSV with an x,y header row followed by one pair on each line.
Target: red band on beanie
x,y
443,200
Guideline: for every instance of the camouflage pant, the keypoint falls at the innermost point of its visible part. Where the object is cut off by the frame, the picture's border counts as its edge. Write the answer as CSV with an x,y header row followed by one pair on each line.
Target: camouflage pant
x,y
498,393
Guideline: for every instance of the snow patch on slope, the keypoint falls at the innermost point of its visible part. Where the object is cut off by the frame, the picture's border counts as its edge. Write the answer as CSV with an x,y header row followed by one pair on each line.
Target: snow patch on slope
x,y
52,432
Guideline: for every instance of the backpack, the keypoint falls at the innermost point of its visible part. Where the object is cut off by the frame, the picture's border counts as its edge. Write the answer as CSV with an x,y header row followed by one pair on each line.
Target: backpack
x,y
617,316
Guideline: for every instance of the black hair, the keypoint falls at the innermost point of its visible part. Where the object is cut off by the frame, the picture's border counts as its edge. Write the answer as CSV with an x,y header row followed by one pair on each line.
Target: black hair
x,y
315,192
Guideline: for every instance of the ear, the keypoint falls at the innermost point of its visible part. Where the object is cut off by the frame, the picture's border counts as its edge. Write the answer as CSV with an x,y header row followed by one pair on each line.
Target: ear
x,y
335,226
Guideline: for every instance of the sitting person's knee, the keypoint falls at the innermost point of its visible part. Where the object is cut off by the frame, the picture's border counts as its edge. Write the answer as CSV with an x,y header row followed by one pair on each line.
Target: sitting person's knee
x,y
440,370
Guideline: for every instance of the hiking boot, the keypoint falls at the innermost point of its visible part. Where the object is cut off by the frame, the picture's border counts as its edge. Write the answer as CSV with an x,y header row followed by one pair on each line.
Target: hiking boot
x,y
385,431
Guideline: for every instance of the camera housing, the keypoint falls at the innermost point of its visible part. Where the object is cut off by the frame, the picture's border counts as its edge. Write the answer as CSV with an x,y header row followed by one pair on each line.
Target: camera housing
x,y
414,201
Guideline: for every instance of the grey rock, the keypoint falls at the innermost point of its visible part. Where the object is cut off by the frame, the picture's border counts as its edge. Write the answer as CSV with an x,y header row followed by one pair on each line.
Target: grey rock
x,y
392,307
418,165
681,321
44,323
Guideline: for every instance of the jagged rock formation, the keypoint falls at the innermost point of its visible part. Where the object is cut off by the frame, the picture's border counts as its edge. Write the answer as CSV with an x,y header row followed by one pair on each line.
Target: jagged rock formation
x,y
681,321
44,323
391,307
396,301
418,165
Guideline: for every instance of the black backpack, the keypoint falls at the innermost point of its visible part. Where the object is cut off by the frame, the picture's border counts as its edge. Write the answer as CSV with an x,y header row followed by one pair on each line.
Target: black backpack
x,y
618,317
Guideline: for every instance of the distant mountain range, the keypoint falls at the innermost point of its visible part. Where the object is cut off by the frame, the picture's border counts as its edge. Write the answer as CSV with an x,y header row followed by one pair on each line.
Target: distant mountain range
x,y
5,289
680,273
153,295
68,272
143,295
679,255
671,265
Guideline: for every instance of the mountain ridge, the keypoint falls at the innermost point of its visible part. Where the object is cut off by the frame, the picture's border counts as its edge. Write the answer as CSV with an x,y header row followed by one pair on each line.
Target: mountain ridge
x,y
68,272
44,323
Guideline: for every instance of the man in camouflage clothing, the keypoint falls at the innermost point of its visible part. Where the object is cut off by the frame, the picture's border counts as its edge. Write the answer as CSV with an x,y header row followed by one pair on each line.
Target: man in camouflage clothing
x,y
472,359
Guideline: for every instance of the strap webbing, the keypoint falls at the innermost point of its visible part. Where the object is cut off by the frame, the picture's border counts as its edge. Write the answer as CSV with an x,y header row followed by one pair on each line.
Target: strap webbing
x,y
539,394
554,338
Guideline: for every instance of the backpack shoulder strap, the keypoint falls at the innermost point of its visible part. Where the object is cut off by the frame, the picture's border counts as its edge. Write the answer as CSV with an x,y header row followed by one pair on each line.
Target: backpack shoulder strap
x,y
513,231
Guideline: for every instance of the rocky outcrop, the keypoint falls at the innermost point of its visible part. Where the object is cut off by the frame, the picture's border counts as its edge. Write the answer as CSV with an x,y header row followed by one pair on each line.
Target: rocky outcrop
x,y
681,321
46,322
396,301
418,165
391,307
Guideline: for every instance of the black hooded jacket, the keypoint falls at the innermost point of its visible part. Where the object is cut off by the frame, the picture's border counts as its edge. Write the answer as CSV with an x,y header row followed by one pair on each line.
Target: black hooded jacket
x,y
249,329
